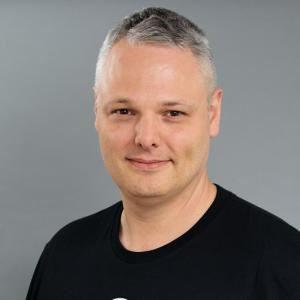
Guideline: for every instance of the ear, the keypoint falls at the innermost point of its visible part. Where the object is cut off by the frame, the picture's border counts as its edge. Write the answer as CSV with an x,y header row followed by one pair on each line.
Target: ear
x,y
95,99
214,112
95,91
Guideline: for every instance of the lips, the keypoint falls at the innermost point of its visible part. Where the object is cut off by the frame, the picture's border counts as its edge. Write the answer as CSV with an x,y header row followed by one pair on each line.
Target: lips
x,y
147,164
146,161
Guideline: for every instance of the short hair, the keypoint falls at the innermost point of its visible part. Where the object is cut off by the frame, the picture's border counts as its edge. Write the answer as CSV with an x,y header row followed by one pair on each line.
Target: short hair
x,y
160,26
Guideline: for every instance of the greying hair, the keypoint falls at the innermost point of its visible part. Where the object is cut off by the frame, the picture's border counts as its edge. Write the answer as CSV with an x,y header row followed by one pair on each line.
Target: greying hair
x,y
160,26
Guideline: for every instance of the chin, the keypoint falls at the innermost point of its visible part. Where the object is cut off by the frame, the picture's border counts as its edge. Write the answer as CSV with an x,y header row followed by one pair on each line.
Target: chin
x,y
148,192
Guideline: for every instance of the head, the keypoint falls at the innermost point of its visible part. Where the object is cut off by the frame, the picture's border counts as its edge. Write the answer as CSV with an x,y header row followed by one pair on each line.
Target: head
x,y
156,99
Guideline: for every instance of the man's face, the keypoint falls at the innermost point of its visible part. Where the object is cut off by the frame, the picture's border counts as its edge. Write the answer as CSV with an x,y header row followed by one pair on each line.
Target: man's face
x,y
146,124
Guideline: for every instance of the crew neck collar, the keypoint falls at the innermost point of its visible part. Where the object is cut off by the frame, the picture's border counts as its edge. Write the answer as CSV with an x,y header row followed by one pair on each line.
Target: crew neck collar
x,y
150,255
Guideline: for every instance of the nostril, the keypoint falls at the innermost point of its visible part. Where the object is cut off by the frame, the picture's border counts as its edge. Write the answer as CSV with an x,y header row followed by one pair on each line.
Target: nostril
x,y
146,140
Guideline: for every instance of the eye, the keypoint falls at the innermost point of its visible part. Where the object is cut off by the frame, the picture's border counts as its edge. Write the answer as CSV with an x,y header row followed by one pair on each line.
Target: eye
x,y
175,113
120,111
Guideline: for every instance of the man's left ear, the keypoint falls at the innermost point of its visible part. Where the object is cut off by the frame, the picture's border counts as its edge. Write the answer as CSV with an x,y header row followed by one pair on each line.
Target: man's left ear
x,y
214,112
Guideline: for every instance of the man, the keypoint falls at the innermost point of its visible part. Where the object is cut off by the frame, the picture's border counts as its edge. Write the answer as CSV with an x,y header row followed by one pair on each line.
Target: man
x,y
175,234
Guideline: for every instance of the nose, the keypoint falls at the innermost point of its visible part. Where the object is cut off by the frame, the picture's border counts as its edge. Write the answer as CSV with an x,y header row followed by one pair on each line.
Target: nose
x,y
146,133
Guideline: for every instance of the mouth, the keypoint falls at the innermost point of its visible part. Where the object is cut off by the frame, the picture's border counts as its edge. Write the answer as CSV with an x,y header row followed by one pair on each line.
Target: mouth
x,y
147,165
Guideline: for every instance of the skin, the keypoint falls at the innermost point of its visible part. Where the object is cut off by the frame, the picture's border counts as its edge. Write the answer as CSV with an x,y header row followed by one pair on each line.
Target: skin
x,y
159,204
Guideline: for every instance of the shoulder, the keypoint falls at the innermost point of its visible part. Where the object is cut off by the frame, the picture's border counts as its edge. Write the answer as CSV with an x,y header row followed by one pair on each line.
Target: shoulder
x,y
255,217
257,228
87,229
277,244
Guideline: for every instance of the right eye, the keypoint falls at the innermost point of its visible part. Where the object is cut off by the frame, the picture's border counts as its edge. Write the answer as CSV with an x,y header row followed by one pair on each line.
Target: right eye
x,y
120,111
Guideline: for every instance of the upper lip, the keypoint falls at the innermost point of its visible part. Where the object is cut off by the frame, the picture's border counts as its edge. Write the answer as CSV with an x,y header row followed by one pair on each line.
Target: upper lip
x,y
146,161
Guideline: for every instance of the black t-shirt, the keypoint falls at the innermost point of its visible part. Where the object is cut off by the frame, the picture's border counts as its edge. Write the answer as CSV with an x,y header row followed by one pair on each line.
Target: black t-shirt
x,y
236,250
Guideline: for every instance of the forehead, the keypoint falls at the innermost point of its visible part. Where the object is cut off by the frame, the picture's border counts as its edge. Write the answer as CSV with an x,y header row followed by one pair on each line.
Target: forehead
x,y
169,72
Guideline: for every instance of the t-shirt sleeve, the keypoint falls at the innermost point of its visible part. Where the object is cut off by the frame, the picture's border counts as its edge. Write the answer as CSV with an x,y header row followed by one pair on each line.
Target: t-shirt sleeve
x,y
278,274
38,275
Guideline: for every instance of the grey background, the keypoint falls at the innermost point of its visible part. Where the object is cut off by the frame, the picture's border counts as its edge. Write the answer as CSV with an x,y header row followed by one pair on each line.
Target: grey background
x,y
50,167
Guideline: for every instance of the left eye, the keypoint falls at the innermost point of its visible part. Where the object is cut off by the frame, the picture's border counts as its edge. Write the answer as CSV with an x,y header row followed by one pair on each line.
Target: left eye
x,y
175,113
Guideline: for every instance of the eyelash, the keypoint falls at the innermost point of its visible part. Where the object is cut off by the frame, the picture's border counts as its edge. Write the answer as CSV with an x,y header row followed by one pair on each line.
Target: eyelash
x,y
120,109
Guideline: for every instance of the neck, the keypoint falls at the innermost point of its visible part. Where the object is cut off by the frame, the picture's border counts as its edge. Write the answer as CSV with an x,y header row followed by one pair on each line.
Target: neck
x,y
148,228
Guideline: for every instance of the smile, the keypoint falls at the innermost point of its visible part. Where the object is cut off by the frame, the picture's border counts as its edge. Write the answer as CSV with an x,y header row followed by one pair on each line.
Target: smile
x,y
148,165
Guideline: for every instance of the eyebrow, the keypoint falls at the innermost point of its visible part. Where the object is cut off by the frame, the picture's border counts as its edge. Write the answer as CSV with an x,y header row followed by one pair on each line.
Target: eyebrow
x,y
163,103
173,103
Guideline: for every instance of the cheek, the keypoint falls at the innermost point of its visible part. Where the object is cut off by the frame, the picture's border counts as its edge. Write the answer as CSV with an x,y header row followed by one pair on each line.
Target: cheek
x,y
112,140
189,144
